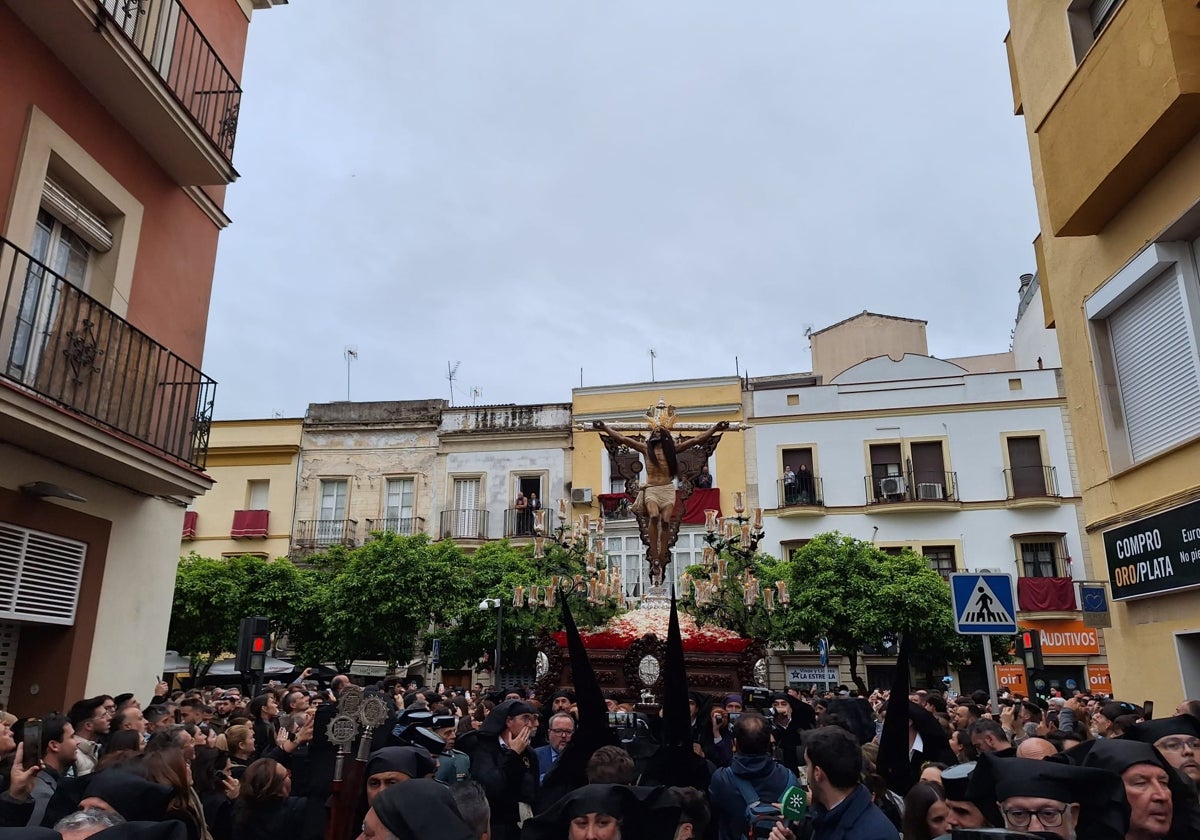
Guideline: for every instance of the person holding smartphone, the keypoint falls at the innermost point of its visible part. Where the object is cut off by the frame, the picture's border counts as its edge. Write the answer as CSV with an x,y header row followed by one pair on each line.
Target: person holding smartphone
x,y
58,751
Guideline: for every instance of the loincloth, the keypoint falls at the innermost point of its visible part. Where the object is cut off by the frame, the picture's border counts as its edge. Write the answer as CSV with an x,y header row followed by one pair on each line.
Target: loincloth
x,y
661,494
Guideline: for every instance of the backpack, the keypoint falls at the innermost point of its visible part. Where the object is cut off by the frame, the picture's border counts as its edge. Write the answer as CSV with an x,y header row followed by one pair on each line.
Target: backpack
x,y
760,817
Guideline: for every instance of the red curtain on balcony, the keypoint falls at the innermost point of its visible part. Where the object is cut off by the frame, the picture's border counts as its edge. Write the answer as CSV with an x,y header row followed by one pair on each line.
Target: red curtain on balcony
x,y
1045,594
702,499
189,524
249,523
609,502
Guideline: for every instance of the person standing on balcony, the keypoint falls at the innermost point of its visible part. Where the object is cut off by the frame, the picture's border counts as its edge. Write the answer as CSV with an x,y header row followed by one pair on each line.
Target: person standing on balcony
x,y
704,480
520,507
789,485
805,486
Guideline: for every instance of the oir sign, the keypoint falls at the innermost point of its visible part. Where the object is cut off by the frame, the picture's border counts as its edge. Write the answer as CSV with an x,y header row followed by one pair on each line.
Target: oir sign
x,y
1099,679
1012,678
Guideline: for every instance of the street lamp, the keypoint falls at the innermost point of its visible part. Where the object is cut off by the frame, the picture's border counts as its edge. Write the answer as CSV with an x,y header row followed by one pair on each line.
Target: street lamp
x,y
485,605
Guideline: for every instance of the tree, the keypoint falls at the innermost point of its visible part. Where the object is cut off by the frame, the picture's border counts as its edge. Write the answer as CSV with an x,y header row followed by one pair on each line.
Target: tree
x,y
212,596
858,596
727,606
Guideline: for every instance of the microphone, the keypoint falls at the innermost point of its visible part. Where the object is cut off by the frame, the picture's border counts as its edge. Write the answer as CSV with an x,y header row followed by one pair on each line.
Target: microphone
x,y
794,804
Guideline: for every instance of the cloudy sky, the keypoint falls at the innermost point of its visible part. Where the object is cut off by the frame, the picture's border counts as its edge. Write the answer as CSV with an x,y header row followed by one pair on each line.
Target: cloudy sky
x,y
536,187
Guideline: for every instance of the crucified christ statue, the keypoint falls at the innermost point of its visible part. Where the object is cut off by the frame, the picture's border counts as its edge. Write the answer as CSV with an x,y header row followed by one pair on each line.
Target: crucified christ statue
x,y
655,505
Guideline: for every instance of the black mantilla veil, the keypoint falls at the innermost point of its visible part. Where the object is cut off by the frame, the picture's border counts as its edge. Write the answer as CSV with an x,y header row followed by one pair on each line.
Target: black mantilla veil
x,y
592,731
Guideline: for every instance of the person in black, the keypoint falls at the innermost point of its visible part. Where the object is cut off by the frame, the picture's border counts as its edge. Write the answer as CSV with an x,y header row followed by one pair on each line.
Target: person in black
x,y
503,761
704,480
805,487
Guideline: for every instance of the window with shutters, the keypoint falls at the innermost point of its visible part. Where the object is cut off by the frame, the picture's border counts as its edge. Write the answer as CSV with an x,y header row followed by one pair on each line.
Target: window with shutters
x,y
331,519
1144,342
39,575
1086,19
398,506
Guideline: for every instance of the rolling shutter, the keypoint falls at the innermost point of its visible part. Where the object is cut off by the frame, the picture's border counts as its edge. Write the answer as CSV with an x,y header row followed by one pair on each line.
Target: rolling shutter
x,y
71,212
39,575
1155,356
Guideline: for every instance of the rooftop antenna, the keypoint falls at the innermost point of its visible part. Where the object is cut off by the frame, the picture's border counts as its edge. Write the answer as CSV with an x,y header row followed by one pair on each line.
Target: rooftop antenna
x,y
351,354
653,356
476,393
451,373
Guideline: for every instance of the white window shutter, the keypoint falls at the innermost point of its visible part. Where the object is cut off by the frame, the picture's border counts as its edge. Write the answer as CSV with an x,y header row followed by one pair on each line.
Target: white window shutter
x,y
40,575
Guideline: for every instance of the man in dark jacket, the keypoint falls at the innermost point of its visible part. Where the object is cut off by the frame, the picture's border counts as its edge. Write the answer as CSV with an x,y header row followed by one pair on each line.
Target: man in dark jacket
x,y
503,761
842,808
752,763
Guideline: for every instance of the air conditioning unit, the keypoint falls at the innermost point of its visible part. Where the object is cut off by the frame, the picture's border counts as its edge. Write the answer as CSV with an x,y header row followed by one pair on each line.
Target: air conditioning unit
x,y
893,485
581,496
931,492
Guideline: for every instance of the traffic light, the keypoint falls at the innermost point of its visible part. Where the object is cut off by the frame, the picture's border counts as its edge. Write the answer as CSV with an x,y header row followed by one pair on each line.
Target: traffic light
x,y
253,640
1029,648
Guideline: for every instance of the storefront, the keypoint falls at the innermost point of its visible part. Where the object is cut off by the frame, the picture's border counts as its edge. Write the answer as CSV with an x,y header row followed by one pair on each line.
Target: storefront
x,y
1072,661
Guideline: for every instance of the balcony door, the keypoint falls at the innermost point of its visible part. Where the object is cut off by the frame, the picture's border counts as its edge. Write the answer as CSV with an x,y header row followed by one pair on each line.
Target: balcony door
x,y
928,470
398,506
466,503
331,518
1025,459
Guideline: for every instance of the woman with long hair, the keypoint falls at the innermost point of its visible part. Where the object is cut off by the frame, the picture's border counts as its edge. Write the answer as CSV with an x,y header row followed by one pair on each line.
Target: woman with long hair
x,y
265,809
925,812
213,782
168,767
239,744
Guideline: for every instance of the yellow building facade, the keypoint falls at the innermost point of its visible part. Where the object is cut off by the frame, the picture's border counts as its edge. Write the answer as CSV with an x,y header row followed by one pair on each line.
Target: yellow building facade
x,y
1110,95
251,507
596,491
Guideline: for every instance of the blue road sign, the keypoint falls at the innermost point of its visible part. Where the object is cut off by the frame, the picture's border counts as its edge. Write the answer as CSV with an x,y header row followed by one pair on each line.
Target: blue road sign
x,y
983,603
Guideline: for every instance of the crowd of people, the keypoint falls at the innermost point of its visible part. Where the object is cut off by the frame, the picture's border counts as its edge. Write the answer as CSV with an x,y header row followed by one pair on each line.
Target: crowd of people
x,y
213,764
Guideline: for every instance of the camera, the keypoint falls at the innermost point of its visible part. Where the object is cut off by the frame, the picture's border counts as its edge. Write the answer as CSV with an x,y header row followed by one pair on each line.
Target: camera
x,y
755,696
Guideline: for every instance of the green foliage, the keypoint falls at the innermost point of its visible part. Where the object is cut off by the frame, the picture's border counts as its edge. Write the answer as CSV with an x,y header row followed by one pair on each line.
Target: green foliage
x,y
727,608
212,596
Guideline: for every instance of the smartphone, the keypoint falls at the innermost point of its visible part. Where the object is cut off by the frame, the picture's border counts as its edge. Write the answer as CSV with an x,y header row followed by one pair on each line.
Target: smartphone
x,y
220,775
1148,710
32,739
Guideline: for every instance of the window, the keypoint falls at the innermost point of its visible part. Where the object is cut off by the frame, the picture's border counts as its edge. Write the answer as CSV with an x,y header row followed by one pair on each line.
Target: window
x,y
1040,555
331,517
800,486
398,506
468,520
1086,18
40,575
257,493
1027,475
929,471
1144,342
625,551
625,463
909,471
941,559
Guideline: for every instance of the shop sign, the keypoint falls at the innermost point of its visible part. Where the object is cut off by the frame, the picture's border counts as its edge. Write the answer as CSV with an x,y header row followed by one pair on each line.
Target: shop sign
x,y
1099,679
1068,637
802,675
1012,677
1160,553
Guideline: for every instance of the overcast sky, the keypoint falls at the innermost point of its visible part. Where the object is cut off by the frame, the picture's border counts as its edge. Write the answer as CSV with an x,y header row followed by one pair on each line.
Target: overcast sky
x,y
532,188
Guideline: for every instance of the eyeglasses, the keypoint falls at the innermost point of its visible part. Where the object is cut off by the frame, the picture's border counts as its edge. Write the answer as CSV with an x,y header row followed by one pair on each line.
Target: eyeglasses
x,y
562,731
1048,817
1179,744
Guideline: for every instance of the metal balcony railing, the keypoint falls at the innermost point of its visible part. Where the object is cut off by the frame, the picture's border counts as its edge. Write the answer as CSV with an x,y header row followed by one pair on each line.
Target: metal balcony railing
x,y
404,525
66,346
519,523
464,525
913,486
807,493
1031,482
171,43
323,533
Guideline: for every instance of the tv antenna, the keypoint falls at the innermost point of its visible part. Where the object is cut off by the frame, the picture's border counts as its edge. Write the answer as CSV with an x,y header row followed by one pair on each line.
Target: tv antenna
x,y
653,356
476,393
451,374
351,354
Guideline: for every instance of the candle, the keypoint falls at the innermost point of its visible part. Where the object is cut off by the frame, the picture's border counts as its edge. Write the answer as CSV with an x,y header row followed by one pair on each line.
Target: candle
x,y
518,596
710,555
745,534
722,567
587,522
710,520
769,599
539,543
739,502
758,526
781,585
539,521
600,526
550,593
562,510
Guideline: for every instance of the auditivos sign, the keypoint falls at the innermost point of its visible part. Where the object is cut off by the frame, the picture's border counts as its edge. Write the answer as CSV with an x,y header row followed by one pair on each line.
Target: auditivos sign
x,y
1067,637
1160,553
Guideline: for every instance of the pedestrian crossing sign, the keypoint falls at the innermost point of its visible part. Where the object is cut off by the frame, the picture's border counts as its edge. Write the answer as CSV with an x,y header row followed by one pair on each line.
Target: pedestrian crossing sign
x,y
983,603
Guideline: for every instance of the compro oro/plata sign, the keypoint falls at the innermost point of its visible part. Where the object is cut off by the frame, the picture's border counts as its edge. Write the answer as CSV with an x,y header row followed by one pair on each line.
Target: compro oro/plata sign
x,y
1158,554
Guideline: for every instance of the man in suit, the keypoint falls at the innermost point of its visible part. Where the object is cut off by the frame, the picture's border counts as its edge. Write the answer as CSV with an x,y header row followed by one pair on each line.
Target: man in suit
x,y
561,730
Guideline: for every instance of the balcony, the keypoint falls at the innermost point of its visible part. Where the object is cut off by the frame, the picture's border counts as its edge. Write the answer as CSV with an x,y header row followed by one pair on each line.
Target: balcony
x,y
1145,67
912,491
616,506
795,499
519,523
250,523
1031,487
405,526
315,534
67,348
151,67
463,525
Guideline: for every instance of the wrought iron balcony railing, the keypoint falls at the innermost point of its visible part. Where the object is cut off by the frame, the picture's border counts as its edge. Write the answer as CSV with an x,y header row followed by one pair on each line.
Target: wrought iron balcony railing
x,y
323,533
519,523
66,346
167,37
808,492
913,486
464,525
405,526
1031,482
